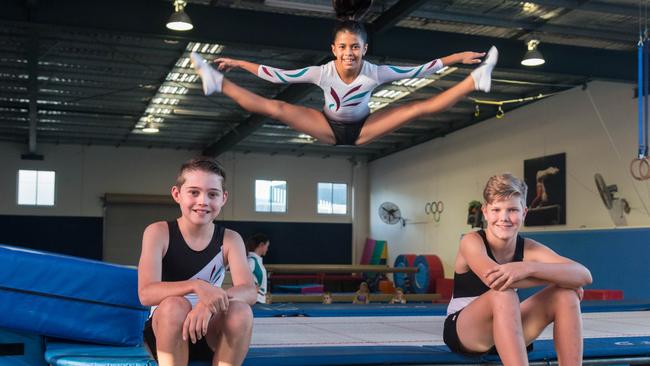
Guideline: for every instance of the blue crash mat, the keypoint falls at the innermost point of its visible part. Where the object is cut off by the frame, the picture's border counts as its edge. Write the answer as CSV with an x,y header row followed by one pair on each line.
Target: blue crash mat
x,y
379,309
76,354
21,349
71,298
61,354
597,348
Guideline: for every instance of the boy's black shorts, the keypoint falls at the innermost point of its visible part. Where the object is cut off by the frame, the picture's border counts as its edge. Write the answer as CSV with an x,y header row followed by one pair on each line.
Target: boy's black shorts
x,y
199,351
450,336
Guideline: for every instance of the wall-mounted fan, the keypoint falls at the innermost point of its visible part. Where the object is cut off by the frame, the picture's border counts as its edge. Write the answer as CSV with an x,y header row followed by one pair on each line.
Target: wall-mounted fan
x,y
617,207
390,213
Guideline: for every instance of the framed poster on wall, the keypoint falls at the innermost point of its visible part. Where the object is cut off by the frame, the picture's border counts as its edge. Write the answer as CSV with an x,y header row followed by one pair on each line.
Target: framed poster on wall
x,y
546,199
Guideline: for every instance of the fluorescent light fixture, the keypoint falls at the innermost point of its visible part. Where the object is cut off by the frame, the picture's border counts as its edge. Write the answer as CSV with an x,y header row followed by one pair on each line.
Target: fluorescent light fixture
x,y
533,57
150,126
209,48
179,20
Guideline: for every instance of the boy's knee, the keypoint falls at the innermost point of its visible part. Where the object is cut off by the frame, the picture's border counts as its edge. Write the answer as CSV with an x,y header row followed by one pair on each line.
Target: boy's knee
x,y
173,311
505,297
239,318
565,297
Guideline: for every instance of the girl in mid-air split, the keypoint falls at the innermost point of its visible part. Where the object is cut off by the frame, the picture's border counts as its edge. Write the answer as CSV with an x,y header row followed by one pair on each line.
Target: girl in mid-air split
x,y
347,83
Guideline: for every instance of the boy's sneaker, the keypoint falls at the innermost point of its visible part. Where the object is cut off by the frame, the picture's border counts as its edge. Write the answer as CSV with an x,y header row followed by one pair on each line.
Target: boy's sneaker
x,y
482,75
210,77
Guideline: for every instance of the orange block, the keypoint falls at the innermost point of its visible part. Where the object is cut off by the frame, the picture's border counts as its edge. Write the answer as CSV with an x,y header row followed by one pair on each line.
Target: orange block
x,y
386,287
445,287
603,295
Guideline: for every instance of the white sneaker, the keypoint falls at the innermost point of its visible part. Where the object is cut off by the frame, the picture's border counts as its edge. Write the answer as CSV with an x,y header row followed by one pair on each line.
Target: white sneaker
x,y
210,77
482,75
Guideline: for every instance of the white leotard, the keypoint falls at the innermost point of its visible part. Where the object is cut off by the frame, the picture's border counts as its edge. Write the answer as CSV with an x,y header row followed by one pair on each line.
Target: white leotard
x,y
347,103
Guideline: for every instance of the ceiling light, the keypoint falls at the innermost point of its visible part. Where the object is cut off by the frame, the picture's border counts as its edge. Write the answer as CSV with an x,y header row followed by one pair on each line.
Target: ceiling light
x,y
529,7
179,20
150,126
533,57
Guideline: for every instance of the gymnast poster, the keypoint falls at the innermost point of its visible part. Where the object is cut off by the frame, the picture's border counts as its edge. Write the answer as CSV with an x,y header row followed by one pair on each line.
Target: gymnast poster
x,y
546,180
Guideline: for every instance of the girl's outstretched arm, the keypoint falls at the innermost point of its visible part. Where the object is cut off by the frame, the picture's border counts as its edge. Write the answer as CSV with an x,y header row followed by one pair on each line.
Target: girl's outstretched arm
x,y
388,73
225,64
309,74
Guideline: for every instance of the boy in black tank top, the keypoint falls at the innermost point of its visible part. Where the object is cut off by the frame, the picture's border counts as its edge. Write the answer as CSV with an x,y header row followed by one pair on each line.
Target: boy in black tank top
x,y
485,313
182,265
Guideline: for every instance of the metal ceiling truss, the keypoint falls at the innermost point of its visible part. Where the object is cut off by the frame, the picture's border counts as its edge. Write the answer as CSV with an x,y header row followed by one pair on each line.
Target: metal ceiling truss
x,y
84,72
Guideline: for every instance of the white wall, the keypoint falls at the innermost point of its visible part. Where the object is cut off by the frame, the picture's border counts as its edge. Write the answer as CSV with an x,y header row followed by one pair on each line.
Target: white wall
x,y
455,168
302,175
84,174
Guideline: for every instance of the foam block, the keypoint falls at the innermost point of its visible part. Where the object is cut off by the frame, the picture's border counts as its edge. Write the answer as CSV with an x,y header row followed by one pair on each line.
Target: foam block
x,y
68,297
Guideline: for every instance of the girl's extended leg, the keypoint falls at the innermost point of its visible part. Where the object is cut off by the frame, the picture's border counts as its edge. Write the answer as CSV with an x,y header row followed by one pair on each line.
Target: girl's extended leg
x,y
385,121
302,119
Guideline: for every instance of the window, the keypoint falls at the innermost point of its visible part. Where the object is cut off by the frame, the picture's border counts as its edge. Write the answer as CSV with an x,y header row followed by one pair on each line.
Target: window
x,y
270,195
36,187
332,198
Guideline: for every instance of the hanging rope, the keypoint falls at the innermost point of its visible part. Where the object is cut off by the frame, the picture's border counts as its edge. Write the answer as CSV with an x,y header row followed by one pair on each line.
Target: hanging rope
x,y
613,145
640,166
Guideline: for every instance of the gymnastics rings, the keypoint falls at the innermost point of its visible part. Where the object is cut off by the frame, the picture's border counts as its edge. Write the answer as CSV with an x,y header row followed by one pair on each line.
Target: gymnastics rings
x,y
435,209
640,168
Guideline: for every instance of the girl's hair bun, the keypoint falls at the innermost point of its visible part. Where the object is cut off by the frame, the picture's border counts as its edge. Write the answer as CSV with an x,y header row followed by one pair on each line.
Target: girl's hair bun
x,y
351,9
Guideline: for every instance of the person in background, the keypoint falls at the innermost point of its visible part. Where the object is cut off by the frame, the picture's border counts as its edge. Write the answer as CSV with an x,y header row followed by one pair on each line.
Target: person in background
x,y
399,297
362,296
257,246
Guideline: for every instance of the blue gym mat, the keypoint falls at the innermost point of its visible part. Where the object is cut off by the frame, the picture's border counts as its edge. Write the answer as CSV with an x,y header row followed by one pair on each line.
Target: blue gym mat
x,y
597,350
43,294
68,297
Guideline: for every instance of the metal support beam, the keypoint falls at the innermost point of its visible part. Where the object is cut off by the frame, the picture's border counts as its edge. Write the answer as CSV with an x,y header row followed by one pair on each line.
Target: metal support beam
x,y
251,28
32,90
594,6
392,16
528,26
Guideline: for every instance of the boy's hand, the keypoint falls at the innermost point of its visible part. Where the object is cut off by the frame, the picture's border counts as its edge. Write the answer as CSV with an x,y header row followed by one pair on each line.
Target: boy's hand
x,y
214,297
196,323
501,277
580,292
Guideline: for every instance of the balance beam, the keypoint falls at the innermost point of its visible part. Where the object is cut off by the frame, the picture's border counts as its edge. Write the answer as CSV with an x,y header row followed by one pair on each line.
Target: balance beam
x,y
336,268
347,298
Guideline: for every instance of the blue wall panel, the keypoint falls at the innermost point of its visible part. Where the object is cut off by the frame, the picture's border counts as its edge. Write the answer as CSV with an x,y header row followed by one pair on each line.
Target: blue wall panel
x,y
617,258
301,242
